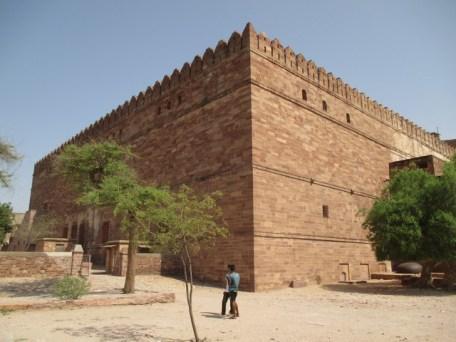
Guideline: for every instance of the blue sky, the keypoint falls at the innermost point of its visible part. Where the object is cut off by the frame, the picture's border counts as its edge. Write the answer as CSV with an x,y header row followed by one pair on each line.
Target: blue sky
x,y
65,64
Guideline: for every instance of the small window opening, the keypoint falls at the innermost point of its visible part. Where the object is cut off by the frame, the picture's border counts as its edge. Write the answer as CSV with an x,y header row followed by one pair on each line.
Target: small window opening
x,y
65,232
105,232
325,106
82,234
158,110
348,118
168,105
179,99
325,211
422,164
304,95
74,230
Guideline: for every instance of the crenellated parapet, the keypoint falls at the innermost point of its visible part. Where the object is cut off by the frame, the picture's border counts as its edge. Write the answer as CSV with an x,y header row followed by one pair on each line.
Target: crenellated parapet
x,y
297,63
160,89
272,49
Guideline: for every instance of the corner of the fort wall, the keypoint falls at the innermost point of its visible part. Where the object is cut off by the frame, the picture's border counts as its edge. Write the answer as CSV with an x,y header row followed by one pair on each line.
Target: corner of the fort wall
x,y
298,243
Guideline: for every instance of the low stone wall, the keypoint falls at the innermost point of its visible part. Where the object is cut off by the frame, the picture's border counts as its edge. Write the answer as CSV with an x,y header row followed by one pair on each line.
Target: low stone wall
x,y
171,265
146,263
32,264
54,245
42,264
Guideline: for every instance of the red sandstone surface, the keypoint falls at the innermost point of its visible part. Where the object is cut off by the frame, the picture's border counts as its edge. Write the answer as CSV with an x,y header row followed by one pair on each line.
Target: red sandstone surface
x,y
296,171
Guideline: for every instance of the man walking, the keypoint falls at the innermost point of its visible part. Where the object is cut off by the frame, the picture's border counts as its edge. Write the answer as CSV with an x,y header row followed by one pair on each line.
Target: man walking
x,y
232,286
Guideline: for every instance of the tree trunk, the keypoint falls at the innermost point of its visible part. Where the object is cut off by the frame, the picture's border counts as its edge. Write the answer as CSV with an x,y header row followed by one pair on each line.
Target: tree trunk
x,y
450,275
189,290
425,280
131,265
91,234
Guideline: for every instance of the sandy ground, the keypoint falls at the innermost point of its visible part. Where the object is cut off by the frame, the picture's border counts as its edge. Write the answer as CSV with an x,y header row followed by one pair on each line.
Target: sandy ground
x,y
336,312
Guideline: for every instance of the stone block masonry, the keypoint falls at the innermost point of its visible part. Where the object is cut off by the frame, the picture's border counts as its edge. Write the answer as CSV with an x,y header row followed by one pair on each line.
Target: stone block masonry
x,y
43,264
146,263
297,153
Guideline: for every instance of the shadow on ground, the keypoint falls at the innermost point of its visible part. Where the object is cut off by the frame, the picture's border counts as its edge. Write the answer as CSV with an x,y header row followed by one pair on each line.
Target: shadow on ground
x,y
28,288
121,332
387,290
213,315
196,282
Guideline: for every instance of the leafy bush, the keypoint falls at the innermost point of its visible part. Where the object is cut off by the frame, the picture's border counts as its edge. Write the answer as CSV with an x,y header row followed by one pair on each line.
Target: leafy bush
x,y
71,287
5,312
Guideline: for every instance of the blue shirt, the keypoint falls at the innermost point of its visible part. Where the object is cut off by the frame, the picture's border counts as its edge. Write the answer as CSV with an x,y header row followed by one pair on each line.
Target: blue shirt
x,y
234,280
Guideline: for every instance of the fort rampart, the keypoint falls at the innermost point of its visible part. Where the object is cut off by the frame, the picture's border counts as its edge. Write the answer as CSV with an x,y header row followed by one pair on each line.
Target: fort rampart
x,y
297,153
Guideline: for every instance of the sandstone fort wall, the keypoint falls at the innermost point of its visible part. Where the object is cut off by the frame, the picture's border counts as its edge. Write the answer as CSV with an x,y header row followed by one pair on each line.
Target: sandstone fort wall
x,y
317,142
192,128
248,119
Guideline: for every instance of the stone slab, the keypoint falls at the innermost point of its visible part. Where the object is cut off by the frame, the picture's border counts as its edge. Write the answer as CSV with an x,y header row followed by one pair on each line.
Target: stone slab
x,y
392,275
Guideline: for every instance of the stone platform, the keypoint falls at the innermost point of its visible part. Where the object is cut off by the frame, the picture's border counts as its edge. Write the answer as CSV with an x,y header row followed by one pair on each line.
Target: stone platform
x,y
138,298
393,276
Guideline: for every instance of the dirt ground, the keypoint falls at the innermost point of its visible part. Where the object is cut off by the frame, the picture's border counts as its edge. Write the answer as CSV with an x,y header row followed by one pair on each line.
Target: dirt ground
x,y
339,312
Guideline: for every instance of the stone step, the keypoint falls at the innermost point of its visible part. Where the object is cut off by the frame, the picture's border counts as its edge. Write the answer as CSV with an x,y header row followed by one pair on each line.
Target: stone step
x,y
393,275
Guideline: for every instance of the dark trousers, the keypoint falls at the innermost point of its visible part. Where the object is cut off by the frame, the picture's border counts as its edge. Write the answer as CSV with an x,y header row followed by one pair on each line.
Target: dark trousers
x,y
232,296
226,295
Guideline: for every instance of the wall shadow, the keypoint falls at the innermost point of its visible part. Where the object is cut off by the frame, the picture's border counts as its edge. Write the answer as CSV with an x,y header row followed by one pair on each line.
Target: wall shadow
x,y
28,288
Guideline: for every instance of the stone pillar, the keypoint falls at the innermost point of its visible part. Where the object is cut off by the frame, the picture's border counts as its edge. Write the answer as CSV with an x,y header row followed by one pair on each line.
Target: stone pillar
x,y
86,268
108,260
76,260
123,263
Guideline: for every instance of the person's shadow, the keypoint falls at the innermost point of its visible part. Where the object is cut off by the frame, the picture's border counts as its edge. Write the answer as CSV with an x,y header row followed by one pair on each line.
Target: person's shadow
x,y
212,315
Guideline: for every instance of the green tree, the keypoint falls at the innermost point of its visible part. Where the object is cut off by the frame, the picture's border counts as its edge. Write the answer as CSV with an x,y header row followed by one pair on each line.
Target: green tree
x,y
185,224
415,219
86,166
94,168
32,229
8,156
6,220
136,206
